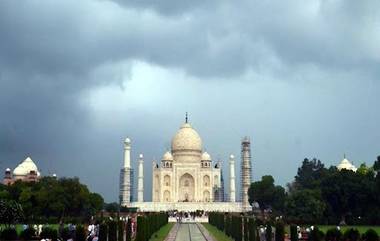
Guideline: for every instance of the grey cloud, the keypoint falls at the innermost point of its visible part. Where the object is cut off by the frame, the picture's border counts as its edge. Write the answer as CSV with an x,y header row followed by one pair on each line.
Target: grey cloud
x,y
51,53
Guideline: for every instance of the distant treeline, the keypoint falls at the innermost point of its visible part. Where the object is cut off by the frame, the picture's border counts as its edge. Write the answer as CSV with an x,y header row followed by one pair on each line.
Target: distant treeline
x,y
323,195
48,200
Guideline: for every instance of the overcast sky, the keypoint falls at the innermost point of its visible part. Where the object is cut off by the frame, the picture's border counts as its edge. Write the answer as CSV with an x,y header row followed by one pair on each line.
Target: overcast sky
x,y
301,78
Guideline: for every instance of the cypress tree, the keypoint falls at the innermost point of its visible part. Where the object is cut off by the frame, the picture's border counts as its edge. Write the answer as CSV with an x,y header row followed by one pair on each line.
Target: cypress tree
x,y
293,233
280,231
252,230
246,232
140,229
103,230
120,231
268,232
112,231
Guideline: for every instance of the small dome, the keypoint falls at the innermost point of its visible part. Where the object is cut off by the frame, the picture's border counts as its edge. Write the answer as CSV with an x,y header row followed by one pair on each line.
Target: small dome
x,y
8,170
127,141
206,156
141,156
346,164
186,139
167,156
25,167
232,156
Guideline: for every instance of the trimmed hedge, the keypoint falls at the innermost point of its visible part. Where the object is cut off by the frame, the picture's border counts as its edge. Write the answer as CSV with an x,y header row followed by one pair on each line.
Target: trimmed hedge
x,y
333,234
235,226
370,235
351,235
80,233
49,233
28,234
149,224
8,234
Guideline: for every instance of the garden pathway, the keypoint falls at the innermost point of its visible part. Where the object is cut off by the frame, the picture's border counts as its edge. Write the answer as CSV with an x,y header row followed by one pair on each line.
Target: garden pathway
x,y
192,232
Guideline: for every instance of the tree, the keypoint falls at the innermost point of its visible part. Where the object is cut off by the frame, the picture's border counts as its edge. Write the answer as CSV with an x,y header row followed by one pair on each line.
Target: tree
x,y
111,207
376,165
267,194
10,212
305,206
347,193
50,197
310,174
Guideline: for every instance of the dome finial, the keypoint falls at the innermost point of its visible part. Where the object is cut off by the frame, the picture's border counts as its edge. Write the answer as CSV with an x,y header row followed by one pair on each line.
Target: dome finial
x,y
186,118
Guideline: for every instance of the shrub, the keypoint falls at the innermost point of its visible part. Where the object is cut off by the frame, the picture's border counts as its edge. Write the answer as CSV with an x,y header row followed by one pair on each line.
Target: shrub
x,y
333,235
49,233
352,235
293,233
28,234
65,235
8,234
370,235
316,235
80,233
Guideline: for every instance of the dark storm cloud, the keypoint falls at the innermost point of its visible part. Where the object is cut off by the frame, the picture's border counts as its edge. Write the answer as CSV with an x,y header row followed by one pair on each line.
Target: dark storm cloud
x,y
53,52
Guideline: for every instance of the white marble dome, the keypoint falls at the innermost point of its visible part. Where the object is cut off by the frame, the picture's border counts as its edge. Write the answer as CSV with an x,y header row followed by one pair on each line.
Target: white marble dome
x,y
346,164
167,156
186,139
206,156
25,167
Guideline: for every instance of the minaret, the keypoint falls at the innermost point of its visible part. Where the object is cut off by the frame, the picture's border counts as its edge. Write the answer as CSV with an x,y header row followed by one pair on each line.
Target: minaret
x,y
127,153
245,173
126,176
232,178
140,182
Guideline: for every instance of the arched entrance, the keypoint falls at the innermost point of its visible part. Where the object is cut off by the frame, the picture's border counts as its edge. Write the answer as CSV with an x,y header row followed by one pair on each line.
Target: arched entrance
x,y
186,188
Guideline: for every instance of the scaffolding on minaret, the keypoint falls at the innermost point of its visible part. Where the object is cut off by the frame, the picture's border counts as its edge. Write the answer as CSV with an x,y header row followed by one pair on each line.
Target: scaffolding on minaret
x,y
246,173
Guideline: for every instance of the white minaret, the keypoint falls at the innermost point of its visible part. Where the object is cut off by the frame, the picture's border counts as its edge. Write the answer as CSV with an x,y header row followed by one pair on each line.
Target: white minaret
x,y
246,173
127,153
140,182
232,178
126,178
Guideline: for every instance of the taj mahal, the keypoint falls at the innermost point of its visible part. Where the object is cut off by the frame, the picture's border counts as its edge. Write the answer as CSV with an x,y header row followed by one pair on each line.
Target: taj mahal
x,y
186,179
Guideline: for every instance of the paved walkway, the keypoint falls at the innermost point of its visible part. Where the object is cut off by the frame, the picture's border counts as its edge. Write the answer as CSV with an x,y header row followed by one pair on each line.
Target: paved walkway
x,y
191,232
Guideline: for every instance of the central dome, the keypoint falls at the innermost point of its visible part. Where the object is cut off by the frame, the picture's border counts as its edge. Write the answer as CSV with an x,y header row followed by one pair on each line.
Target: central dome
x,y
186,139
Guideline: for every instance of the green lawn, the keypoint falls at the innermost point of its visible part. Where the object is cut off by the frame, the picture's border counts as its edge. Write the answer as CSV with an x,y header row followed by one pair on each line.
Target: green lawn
x,y
216,233
162,233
